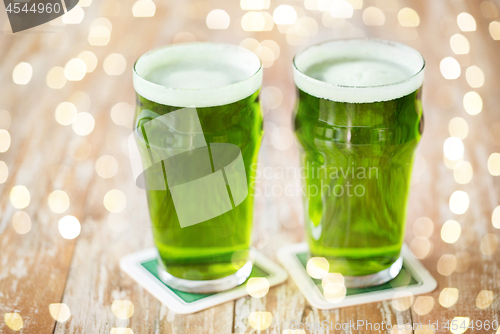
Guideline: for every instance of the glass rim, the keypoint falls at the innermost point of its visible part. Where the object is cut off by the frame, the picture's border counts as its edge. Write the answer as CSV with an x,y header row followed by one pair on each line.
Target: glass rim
x,y
381,41
245,84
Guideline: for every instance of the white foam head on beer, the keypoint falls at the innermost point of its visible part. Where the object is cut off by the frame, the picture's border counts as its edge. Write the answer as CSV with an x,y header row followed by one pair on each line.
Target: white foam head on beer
x,y
197,74
359,71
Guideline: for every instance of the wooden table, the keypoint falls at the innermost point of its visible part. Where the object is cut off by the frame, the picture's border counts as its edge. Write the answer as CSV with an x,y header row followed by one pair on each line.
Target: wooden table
x,y
40,267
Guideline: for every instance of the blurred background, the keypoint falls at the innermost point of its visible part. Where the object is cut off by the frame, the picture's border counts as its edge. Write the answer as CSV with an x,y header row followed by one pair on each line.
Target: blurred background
x,y
69,209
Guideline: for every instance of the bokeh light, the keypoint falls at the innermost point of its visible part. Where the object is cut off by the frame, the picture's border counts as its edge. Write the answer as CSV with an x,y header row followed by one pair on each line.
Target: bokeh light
x,y
450,232
494,29
122,309
466,22
13,320
423,227
69,227
459,202
5,140
489,10
453,148
458,127
495,216
489,244
463,172
474,76
20,197
459,44
115,201
4,172
65,113
462,325
473,103
144,8
83,124
184,37
271,98
341,9
22,74
494,164
333,278
484,299
317,267
408,17
257,287
285,15
450,68
58,201
420,247
114,64
254,4
218,19
373,16
75,69
121,330
55,78
60,312
84,3
21,222
74,16
257,21
423,305
260,320
282,138
334,292
402,300
448,297
90,60
447,264
106,166
122,113
100,32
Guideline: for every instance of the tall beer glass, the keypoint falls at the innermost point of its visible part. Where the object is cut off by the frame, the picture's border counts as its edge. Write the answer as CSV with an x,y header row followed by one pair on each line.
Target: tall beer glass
x,y
359,119
198,129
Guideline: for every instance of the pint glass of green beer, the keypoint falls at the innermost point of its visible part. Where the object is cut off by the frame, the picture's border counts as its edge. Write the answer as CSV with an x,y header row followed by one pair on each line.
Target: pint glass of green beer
x,y
359,119
198,129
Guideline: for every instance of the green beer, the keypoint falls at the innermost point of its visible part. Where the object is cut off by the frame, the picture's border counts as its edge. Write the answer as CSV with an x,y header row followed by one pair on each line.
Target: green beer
x,y
359,119
198,118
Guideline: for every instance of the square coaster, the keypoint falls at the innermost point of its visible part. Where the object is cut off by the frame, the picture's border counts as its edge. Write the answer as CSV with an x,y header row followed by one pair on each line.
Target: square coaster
x,y
142,267
413,278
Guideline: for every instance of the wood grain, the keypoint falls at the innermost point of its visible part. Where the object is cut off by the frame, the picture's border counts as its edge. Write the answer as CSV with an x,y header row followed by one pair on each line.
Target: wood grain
x,y
40,267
